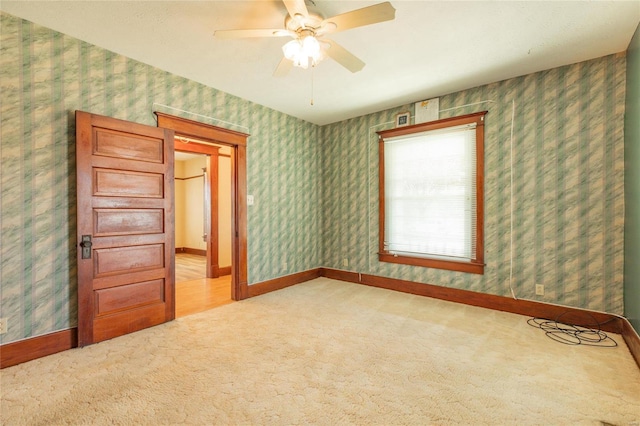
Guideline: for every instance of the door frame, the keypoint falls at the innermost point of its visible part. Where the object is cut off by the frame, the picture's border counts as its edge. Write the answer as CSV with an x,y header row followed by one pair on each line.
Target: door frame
x,y
237,141
210,186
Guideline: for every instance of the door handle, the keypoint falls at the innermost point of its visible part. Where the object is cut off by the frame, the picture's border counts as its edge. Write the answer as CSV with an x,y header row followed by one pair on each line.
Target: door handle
x,y
86,246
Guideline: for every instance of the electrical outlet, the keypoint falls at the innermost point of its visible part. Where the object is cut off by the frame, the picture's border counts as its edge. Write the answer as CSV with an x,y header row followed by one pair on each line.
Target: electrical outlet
x,y
4,324
284,266
345,262
540,289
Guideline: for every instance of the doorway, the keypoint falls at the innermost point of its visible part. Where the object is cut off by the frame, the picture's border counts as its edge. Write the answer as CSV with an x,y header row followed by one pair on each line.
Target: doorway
x,y
202,228
237,142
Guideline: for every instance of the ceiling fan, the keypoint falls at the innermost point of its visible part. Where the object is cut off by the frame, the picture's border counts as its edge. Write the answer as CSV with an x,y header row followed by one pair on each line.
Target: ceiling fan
x,y
308,28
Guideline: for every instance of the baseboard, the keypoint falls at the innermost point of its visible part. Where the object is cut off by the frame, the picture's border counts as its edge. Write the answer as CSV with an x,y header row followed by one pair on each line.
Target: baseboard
x,y
188,250
29,349
225,270
283,282
630,336
37,347
607,322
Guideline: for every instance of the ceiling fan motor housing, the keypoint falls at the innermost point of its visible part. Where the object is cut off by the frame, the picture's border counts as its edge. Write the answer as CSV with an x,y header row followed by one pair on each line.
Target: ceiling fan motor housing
x,y
311,22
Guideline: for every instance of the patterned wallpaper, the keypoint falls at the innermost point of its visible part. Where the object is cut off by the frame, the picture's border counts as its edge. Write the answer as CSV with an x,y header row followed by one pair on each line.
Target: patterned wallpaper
x,y
316,188
632,185
568,196
45,76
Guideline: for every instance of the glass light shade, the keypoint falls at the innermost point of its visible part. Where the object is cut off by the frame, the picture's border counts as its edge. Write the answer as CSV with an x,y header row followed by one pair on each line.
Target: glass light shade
x,y
310,46
292,49
303,52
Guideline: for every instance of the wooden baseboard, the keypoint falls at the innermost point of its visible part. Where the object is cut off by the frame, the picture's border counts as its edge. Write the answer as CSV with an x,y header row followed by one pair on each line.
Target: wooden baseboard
x,y
37,347
188,250
337,274
607,322
225,270
215,271
282,282
630,336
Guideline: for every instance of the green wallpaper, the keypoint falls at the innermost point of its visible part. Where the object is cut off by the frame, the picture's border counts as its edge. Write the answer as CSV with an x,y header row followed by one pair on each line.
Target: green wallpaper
x,y
632,185
315,187
45,76
568,171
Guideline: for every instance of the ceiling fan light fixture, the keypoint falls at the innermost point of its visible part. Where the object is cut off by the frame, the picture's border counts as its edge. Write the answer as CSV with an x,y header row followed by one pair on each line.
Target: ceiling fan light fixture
x,y
308,27
303,52
292,49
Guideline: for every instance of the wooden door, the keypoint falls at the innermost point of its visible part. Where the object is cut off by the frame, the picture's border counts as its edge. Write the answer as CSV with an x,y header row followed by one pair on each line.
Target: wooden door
x,y
125,227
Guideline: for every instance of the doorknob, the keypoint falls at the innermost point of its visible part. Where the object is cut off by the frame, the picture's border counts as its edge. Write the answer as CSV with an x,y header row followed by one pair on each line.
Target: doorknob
x,y
86,246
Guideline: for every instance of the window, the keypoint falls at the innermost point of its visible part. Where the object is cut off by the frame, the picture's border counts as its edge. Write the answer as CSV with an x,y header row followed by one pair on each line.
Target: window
x,y
431,194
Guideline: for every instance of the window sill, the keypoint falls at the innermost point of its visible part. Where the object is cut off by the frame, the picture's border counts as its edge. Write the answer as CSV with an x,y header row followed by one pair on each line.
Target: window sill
x,y
451,265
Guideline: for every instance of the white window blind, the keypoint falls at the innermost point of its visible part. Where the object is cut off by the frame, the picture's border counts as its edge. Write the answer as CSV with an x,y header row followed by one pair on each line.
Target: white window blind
x,y
430,193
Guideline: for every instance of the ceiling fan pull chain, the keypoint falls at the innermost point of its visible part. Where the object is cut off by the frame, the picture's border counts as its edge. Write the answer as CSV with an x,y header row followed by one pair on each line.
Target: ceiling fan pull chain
x,y
312,72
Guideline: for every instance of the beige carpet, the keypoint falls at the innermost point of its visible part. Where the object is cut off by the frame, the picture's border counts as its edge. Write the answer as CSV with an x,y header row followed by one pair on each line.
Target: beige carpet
x,y
330,353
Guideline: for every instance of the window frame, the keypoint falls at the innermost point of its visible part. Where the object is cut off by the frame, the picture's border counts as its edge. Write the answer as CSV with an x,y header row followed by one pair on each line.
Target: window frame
x,y
476,264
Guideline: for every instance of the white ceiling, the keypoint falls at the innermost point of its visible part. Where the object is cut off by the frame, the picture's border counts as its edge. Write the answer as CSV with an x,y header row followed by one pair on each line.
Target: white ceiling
x,y
432,47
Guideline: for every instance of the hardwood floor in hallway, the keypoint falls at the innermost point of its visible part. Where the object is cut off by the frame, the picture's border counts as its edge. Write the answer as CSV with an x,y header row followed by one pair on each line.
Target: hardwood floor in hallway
x,y
194,293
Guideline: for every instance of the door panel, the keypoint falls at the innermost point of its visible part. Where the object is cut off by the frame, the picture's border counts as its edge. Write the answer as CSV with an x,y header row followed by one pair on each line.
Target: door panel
x,y
126,260
127,321
118,298
120,183
110,143
109,222
125,205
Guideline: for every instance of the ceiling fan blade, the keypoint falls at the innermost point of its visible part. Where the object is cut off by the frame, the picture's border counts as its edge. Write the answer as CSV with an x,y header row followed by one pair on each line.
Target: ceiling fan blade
x,y
343,56
296,7
283,68
360,17
253,33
